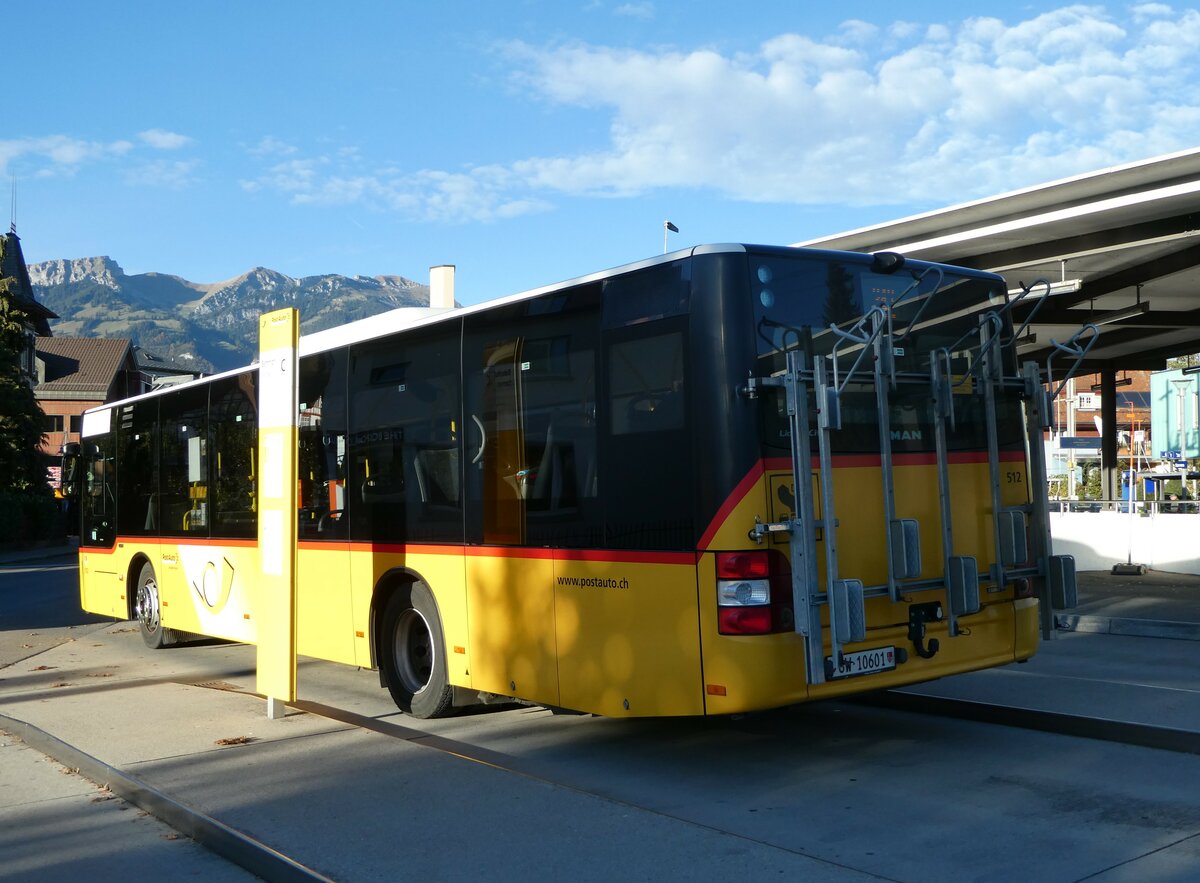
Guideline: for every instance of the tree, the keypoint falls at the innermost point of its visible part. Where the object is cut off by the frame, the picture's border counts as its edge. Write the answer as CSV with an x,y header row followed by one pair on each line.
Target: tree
x,y
21,420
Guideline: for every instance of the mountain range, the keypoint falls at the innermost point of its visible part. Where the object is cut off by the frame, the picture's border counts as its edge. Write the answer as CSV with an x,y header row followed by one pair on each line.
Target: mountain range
x,y
204,326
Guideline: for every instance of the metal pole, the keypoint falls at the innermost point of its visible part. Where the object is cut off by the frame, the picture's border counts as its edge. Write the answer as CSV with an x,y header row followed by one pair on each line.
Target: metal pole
x,y
668,227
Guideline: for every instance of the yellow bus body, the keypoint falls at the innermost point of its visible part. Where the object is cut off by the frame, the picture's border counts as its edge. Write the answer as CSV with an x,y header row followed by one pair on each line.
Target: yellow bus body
x,y
610,632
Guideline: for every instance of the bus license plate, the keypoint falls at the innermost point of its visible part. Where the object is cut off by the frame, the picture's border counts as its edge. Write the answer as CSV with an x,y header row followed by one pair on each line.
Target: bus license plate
x,y
864,662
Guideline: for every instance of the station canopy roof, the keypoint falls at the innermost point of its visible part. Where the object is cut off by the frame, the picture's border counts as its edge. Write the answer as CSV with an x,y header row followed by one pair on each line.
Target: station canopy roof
x,y
1121,245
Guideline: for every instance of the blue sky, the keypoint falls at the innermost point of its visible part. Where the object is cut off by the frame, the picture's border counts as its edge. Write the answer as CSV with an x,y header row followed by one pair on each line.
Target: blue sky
x,y
531,141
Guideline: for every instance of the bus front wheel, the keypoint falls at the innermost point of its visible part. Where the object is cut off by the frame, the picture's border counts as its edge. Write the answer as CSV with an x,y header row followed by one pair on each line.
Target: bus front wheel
x,y
147,608
413,654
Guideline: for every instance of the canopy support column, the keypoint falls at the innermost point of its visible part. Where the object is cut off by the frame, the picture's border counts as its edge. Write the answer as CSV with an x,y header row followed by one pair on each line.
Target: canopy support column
x,y
1109,465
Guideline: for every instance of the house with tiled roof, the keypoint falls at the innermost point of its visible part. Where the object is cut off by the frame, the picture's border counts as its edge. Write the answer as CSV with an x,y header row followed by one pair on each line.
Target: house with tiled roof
x,y
77,373
37,317
157,371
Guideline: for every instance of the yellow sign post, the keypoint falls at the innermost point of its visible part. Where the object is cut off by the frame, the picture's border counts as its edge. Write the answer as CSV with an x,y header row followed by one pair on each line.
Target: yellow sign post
x,y
278,393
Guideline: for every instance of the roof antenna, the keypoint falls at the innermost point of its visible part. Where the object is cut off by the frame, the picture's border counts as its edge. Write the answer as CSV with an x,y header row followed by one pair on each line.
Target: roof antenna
x,y
12,216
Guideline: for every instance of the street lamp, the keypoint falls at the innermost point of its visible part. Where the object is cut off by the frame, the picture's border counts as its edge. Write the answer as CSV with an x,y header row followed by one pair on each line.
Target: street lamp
x,y
668,227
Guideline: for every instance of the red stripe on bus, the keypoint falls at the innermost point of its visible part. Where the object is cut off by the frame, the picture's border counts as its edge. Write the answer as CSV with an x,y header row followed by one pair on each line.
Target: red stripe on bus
x,y
731,502
615,556
508,552
189,541
166,541
924,458
406,548
619,556
840,461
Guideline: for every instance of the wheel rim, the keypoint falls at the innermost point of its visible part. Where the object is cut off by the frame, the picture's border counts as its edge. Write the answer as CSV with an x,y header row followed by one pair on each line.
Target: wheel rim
x,y
147,605
413,651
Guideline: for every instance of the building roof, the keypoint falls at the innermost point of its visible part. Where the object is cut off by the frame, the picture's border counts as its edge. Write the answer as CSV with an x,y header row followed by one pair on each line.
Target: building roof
x,y
12,264
152,363
1122,245
81,367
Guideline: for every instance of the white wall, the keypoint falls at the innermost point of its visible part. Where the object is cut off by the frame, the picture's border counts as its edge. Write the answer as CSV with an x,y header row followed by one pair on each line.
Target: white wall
x,y
1098,540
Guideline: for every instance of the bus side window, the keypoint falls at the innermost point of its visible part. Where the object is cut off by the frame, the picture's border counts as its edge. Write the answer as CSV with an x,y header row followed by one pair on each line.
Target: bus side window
x,y
183,506
322,434
646,468
233,414
405,439
645,384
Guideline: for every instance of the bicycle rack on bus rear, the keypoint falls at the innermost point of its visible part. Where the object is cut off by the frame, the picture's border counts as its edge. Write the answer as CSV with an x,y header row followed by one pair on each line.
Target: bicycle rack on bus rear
x,y
876,333
1012,527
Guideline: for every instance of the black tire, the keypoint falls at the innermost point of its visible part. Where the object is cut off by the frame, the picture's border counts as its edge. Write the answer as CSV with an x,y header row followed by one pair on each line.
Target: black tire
x,y
147,610
412,653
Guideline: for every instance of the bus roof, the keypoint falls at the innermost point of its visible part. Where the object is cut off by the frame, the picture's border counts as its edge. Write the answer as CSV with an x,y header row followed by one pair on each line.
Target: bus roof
x,y
404,318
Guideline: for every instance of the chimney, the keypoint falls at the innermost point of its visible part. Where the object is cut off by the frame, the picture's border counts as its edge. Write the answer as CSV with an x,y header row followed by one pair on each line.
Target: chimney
x,y
441,287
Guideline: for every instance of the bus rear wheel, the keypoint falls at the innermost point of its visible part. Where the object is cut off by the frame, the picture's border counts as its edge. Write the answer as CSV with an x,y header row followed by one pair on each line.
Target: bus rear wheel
x,y
413,654
147,608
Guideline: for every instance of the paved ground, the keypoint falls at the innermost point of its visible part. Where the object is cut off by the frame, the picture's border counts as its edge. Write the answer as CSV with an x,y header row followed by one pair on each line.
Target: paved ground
x,y
56,825
826,792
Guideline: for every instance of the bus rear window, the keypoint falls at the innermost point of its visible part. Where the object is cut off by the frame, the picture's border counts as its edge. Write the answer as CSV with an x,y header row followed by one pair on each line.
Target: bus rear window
x,y
797,299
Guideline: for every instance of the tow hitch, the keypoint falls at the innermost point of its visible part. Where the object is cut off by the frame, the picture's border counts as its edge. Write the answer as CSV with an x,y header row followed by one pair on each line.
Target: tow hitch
x,y
918,615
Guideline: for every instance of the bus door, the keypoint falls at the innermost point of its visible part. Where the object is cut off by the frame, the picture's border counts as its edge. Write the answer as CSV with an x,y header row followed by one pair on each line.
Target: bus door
x,y
510,587
324,609
100,587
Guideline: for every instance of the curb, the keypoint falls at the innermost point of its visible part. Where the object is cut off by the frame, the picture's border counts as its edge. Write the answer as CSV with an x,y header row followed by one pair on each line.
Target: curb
x,y
1136,628
1057,722
229,843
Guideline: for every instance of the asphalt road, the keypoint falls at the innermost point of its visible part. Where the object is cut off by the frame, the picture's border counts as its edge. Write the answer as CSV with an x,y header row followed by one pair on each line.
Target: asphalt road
x,y
55,824
39,608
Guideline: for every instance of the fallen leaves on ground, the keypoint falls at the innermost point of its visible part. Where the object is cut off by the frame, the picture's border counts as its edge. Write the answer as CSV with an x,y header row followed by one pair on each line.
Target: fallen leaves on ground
x,y
236,740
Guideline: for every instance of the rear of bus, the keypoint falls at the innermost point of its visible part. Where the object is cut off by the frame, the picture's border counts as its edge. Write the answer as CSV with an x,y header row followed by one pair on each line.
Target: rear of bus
x,y
782,300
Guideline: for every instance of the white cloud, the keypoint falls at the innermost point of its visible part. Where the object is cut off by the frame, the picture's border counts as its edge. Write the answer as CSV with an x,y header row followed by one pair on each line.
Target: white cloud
x,y
938,113
160,139
485,193
644,11
172,175
1151,10
57,155
269,145
874,113
63,156
859,32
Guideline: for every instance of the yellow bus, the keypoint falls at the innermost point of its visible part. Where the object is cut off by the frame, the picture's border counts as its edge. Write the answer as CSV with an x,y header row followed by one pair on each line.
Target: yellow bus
x,y
585,496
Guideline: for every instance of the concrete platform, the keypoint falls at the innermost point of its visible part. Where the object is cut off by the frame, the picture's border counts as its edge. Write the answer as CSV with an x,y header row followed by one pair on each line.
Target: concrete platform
x,y
1153,605
1126,653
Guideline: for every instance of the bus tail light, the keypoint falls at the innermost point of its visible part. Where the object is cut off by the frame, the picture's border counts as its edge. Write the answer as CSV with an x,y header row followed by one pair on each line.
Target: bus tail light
x,y
750,592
